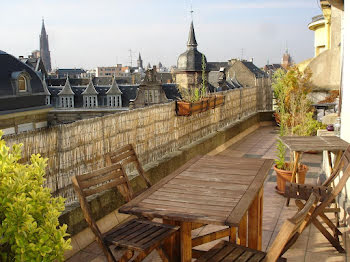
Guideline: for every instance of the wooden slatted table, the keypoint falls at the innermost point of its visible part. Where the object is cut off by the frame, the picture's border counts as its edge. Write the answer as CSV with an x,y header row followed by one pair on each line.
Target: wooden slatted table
x,y
208,190
300,144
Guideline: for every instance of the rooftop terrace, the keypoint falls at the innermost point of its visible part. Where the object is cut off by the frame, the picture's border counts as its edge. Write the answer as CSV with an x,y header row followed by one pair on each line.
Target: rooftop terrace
x,y
311,246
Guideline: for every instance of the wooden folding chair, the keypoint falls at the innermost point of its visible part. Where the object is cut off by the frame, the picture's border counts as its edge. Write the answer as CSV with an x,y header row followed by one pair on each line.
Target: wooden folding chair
x,y
328,196
303,190
125,156
289,233
134,235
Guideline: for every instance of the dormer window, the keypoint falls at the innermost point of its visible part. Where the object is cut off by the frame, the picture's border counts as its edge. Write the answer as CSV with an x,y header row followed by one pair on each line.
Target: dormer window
x,y
22,84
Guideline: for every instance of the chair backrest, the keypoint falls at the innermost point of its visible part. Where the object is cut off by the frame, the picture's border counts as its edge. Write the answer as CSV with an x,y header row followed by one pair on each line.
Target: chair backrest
x,y
97,182
126,155
337,169
343,166
290,230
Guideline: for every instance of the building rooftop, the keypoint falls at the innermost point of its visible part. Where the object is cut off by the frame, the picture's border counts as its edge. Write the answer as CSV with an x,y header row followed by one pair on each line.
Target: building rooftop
x,y
311,246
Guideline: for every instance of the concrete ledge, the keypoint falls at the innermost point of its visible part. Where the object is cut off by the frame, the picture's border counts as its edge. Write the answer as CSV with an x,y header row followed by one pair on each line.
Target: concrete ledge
x,y
106,204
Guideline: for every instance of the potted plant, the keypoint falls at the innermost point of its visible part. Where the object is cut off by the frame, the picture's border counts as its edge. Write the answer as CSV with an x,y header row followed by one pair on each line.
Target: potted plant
x,y
295,117
197,99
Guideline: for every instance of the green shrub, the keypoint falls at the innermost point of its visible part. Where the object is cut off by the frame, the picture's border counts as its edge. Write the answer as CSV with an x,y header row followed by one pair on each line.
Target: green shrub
x,y
29,229
294,112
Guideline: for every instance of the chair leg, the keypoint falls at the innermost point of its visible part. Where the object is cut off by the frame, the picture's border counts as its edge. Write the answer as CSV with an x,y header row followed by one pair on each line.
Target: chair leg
x,y
141,256
162,254
330,224
333,240
126,256
335,243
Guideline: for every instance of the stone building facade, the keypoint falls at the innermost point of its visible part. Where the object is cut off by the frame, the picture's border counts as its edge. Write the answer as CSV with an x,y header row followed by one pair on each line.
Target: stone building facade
x,y
150,91
247,74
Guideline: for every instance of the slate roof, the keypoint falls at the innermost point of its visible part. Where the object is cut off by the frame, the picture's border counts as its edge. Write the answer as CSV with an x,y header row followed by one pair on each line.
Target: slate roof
x,y
191,60
66,90
114,90
9,99
171,92
254,69
90,90
216,66
192,37
128,92
97,81
46,90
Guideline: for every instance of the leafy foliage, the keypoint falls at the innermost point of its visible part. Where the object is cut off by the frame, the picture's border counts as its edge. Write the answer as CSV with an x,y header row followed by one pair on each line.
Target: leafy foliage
x,y
294,110
29,229
196,94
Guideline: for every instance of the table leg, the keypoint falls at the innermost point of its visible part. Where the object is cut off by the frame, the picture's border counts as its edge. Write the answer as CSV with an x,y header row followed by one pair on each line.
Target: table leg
x,y
336,163
255,222
172,244
338,157
186,241
242,231
295,167
232,236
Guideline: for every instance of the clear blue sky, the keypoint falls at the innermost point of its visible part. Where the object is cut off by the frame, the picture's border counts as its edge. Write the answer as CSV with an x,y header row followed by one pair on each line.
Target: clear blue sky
x,y
90,33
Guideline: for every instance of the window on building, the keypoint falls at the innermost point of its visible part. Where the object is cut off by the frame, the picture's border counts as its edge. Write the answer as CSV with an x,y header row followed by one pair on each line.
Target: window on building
x,y
22,84
146,96
151,96
156,96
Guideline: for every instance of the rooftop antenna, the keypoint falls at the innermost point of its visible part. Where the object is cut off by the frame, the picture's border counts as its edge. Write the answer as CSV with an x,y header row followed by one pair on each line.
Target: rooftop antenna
x,y
242,51
130,51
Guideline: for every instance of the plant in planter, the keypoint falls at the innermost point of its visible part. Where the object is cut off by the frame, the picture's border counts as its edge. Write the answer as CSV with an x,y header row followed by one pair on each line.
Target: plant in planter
x,y
295,115
197,99
29,227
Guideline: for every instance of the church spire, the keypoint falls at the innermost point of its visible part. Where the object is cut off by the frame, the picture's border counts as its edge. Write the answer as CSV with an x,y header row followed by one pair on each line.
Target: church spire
x,y
191,43
139,62
43,30
44,48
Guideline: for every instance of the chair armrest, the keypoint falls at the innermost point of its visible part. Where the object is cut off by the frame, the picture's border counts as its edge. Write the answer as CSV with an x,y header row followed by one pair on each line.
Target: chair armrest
x,y
303,191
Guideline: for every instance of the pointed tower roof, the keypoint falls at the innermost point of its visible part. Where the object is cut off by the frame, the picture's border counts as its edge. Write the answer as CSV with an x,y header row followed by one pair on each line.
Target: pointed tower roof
x,y
46,90
114,90
43,30
140,56
90,90
192,42
67,89
192,59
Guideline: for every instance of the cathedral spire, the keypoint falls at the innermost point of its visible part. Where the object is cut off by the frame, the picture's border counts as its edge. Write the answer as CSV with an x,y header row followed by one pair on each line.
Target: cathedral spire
x,y
139,62
44,48
191,43
43,30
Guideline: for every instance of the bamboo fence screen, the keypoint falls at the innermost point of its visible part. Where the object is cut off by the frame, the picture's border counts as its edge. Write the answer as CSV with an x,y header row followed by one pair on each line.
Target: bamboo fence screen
x,y
155,131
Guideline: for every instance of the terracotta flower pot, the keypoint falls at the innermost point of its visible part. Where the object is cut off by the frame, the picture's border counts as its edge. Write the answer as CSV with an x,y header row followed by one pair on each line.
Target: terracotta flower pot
x,y
284,175
187,108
